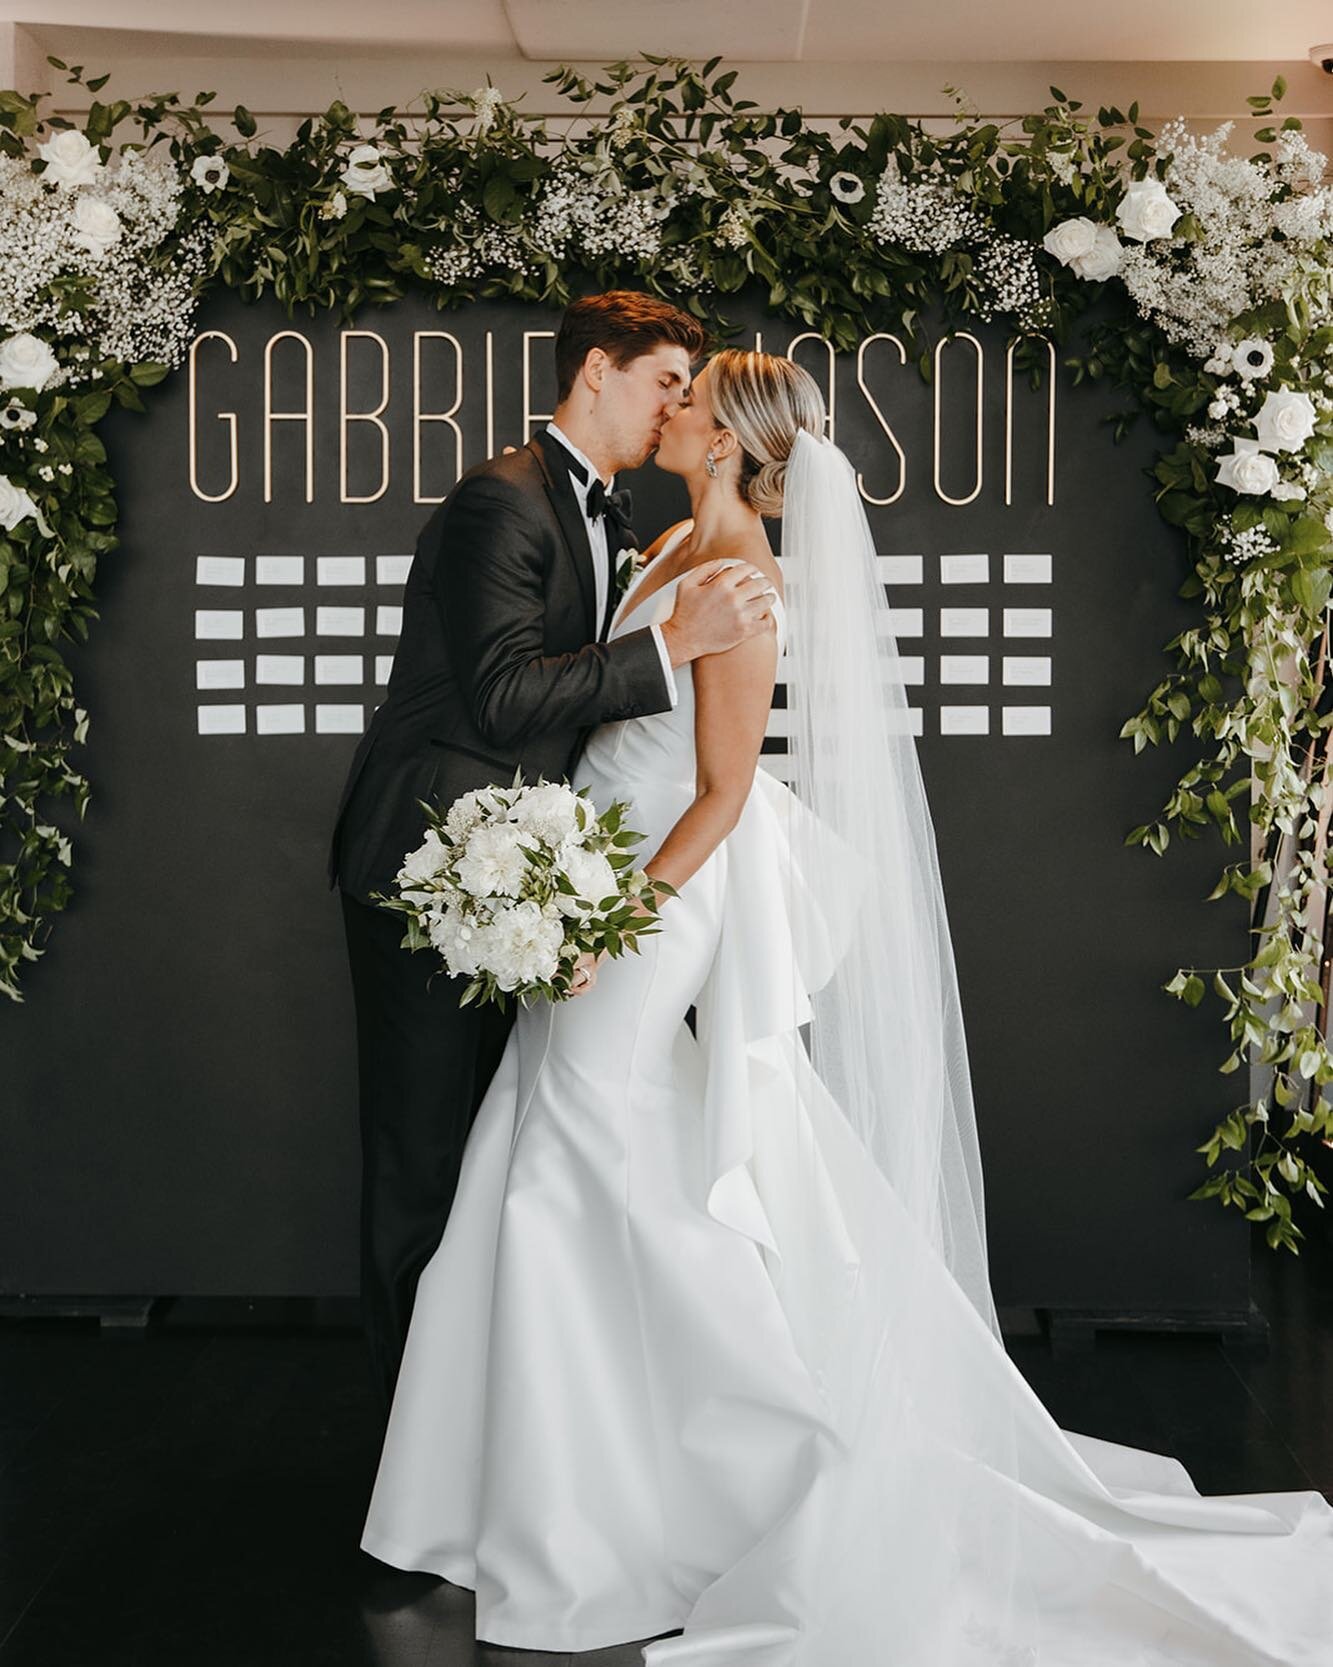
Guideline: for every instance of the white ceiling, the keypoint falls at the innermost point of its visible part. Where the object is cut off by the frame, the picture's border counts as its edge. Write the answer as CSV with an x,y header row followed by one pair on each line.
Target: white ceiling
x,y
810,31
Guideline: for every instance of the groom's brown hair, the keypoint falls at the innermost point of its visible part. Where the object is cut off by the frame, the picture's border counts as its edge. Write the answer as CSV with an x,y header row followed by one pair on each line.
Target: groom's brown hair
x,y
624,323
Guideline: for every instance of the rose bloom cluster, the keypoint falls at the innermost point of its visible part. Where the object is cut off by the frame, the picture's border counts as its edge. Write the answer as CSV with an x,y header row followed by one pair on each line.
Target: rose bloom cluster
x,y
511,885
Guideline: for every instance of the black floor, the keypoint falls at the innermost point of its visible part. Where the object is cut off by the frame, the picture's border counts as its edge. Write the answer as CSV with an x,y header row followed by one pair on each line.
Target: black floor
x,y
195,1499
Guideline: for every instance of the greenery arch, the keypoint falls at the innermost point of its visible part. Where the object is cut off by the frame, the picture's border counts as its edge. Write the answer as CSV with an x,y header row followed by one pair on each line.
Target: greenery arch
x,y
1218,268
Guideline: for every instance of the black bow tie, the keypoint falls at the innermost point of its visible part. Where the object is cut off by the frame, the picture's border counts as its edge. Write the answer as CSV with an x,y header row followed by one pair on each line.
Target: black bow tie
x,y
616,506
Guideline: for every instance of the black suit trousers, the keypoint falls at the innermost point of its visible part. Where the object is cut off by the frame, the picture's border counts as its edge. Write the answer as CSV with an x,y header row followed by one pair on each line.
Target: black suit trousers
x,y
423,1067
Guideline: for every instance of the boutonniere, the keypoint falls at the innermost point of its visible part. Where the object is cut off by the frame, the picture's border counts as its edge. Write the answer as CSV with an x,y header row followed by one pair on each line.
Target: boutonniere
x,y
630,566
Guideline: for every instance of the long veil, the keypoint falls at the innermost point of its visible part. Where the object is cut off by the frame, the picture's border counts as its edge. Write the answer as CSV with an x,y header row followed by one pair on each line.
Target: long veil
x,y
887,1037
920,1537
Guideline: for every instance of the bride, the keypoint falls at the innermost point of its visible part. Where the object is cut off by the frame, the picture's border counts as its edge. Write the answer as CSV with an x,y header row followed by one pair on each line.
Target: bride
x,y
707,1353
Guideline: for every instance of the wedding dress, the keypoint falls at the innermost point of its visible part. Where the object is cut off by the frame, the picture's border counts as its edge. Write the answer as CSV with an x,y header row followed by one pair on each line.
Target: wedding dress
x,y
686,1362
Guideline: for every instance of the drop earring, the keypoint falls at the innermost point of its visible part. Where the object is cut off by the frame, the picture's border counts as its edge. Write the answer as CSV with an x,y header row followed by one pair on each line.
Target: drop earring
x,y
710,463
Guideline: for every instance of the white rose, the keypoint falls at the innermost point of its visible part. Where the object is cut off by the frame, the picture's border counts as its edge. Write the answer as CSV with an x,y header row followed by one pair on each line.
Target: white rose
x,y
26,362
548,810
1071,240
95,224
592,878
1103,260
1247,469
1287,491
1285,421
366,172
70,160
15,504
209,173
523,946
1146,211
493,862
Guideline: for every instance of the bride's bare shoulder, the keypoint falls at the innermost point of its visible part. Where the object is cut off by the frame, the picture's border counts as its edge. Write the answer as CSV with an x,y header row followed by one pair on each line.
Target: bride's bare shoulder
x,y
662,540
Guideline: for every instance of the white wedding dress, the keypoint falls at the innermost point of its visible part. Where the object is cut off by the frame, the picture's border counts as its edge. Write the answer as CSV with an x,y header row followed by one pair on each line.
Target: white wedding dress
x,y
623,1409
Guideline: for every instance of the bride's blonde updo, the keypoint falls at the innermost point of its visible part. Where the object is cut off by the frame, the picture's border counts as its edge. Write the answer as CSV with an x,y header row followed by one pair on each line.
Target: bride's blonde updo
x,y
765,401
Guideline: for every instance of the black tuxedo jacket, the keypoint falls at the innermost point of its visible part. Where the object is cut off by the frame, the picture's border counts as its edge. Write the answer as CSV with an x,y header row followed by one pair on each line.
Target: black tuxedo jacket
x,y
498,665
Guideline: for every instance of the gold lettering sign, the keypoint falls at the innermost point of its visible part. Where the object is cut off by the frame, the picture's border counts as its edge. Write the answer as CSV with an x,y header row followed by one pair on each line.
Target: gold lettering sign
x,y
420,417
345,417
226,417
306,415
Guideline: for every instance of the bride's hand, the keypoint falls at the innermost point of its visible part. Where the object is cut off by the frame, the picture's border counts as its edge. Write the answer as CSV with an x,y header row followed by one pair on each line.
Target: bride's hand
x,y
584,974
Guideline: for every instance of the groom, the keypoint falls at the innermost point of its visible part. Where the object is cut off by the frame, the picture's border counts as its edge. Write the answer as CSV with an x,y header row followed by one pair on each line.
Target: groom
x,y
501,665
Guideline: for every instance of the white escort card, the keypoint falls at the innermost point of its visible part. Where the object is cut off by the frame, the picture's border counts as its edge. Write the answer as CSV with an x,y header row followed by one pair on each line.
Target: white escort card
x,y
280,668
388,622
1027,622
1027,720
279,570
219,570
964,720
221,720
392,570
280,720
964,622
964,668
1027,668
340,622
964,570
340,720
280,622
219,624
900,570
339,668
219,674
341,570
1027,570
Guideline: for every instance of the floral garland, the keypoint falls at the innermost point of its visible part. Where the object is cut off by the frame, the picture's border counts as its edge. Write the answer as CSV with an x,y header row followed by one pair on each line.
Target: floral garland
x,y
1220,266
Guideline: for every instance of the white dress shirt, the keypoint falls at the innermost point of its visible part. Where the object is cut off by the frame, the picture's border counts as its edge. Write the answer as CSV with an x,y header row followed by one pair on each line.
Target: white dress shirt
x,y
597,543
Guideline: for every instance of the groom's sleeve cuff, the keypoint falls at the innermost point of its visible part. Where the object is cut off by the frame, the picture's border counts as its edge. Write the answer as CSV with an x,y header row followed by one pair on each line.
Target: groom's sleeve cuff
x,y
667,671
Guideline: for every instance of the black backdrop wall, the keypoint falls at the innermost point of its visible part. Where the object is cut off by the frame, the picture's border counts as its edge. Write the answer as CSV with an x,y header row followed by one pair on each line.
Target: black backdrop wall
x,y
179,1110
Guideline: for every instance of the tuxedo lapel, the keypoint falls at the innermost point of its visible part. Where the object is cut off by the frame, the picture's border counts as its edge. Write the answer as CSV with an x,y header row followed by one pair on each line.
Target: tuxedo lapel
x,y
560,491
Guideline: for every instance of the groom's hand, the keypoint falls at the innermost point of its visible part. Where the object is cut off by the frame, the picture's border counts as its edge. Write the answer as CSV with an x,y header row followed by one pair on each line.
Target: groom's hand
x,y
717,606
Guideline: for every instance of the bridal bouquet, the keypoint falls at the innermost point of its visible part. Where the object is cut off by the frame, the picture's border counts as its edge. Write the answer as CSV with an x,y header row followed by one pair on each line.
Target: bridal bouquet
x,y
511,885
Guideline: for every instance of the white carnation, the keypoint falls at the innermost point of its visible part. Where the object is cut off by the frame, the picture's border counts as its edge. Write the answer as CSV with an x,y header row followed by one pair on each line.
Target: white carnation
x,y
1247,469
70,160
459,941
424,863
94,224
26,362
523,946
1285,421
548,811
1146,212
493,862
